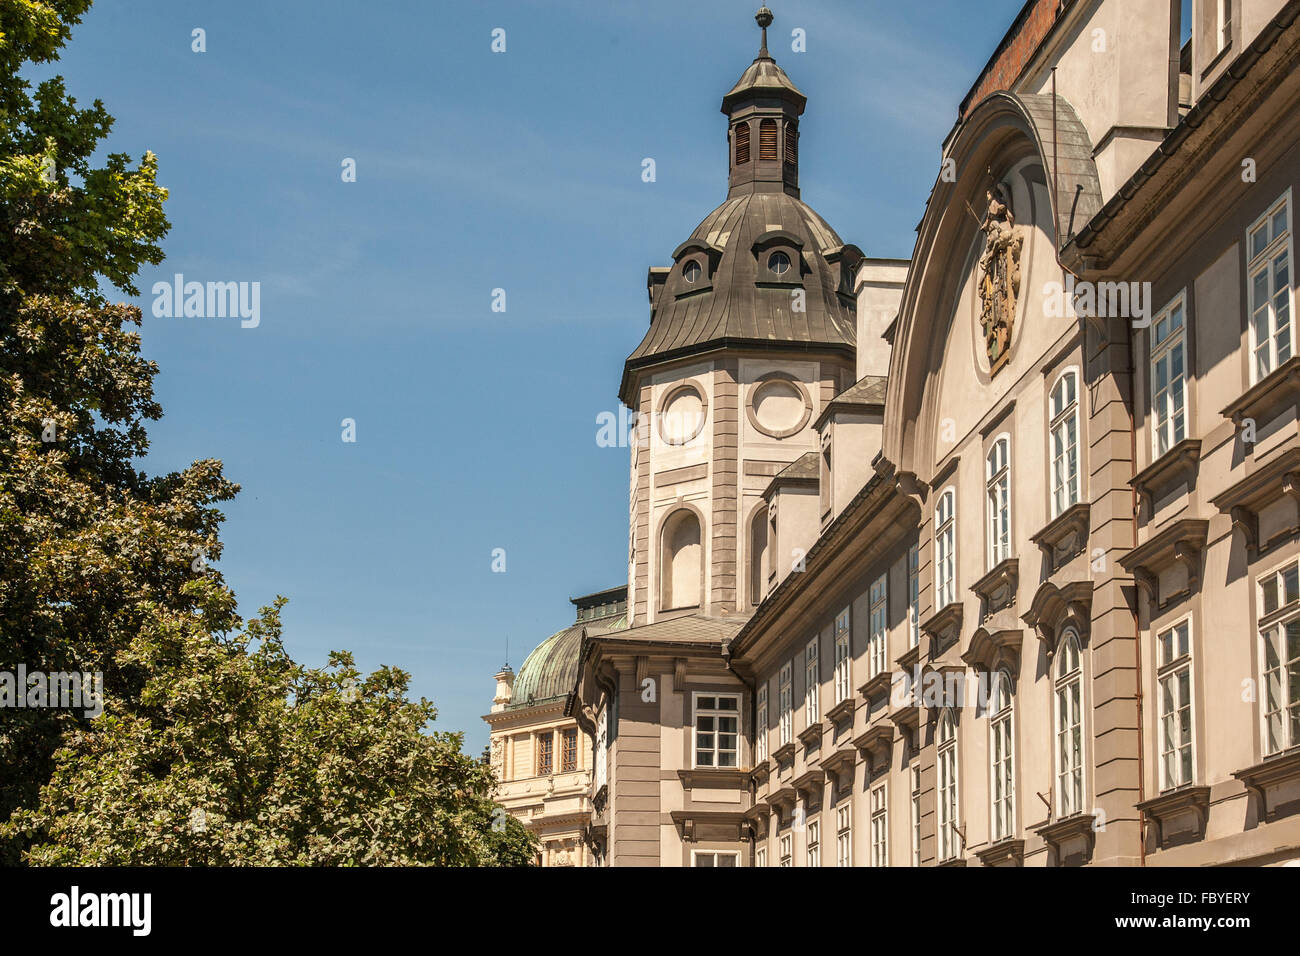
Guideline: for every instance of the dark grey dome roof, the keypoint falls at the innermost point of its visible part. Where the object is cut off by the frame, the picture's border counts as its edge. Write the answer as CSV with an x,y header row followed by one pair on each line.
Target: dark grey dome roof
x,y
735,306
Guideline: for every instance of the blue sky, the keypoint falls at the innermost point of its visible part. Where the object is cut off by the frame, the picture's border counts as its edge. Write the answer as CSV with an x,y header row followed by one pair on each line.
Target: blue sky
x,y
521,170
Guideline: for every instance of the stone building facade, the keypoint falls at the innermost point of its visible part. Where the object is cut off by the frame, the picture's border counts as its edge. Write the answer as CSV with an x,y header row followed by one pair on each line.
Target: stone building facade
x,y
990,556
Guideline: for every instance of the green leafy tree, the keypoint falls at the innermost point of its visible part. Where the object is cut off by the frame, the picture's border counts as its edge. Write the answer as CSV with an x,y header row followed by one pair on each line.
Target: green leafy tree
x,y
104,568
236,755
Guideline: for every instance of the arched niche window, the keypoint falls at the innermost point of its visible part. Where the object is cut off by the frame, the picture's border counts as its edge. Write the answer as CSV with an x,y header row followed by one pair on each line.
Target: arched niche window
x,y
947,766
757,546
1063,442
767,140
1002,769
681,569
1069,725
792,143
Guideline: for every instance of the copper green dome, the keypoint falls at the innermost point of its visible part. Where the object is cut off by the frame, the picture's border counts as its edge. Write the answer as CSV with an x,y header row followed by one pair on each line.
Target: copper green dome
x,y
551,670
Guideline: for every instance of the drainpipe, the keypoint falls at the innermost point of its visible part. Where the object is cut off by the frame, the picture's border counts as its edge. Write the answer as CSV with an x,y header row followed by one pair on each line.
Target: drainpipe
x,y
753,722
1137,598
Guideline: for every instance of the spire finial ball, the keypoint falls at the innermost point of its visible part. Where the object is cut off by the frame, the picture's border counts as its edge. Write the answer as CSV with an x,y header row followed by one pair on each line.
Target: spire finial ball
x,y
764,17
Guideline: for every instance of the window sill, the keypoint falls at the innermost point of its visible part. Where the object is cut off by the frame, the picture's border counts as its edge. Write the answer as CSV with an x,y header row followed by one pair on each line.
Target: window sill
x,y
1273,393
1263,486
997,589
1176,465
1065,535
1006,852
1182,542
1187,803
1269,775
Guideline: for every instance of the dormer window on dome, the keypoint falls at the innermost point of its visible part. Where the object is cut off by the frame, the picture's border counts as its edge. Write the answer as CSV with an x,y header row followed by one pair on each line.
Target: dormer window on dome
x,y
697,262
779,257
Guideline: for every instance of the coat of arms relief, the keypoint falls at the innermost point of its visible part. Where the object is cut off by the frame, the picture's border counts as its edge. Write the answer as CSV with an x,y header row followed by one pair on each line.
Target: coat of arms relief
x,y
999,276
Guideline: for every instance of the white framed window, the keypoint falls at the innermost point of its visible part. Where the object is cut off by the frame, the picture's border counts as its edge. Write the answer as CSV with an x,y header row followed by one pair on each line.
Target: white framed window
x,y
813,851
1063,439
914,595
1168,376
947,759
785,692
1002,767
1174,680
1279,631
715,858
945,549
1223,25
915,775
843,658
786,847
717,730
812,685
880,825
997,477
760,857
844,836
1069,725
1268,281
760,731
879,618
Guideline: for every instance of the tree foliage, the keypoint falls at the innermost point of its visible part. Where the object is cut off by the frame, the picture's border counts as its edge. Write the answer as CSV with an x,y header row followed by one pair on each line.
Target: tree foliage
x,y
104,568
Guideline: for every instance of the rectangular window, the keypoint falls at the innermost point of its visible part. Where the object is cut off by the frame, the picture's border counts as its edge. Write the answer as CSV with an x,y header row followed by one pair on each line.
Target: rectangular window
x,y
843,837
545,752
569,750
812,687
1063,439
1168,371
879,622
787,851
1223,25
879,826
786,702
717,730
998,498
760,857
945,550
760,732
1279,605
1268,280
843,658
916,814
715,858
1174,676
914,595
814,854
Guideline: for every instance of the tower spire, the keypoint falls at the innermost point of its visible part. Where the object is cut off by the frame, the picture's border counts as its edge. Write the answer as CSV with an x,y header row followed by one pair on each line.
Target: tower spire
x,y
764,18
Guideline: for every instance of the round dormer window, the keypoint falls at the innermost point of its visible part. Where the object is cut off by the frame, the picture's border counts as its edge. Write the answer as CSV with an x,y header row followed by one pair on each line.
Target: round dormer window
x,y
779,263
691,271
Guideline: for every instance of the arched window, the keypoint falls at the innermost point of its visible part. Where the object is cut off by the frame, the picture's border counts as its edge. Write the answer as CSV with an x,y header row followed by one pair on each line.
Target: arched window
x,y
682,566
947,759
742,143
1069,725
945,550
1063,440
767,140
1002,770
757,545
792,143
997,476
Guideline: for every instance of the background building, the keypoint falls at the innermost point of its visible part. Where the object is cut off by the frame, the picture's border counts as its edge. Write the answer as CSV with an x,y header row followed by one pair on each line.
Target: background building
x,y
539,756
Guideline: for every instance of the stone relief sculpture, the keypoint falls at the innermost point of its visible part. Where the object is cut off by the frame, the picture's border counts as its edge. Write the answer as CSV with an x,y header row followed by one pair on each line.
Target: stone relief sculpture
x,y
498,757
999,276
